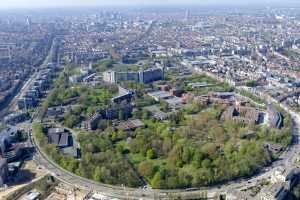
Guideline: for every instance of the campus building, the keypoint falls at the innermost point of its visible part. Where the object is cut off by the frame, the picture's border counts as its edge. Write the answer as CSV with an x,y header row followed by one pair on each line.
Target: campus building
x,y
142,76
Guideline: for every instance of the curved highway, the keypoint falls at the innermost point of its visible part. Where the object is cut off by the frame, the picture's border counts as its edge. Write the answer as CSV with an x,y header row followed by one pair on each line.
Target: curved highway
x,y
286,160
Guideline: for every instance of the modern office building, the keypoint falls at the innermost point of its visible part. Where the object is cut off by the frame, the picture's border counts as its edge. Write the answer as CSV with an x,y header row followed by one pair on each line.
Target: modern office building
x,y
16,117
25,102
142,76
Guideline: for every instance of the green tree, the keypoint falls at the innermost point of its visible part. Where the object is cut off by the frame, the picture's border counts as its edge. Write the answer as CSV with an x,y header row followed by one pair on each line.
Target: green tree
x,y
156,180
120,147
151,154
206,163
197,158
164,106
187,155
146,169
145,114
97,174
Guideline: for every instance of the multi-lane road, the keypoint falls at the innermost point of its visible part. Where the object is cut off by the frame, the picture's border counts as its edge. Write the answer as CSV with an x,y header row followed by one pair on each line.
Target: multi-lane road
x,y
12,106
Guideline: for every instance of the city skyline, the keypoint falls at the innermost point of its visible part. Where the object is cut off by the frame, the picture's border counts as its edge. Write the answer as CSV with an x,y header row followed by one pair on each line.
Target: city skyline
x,y
77,3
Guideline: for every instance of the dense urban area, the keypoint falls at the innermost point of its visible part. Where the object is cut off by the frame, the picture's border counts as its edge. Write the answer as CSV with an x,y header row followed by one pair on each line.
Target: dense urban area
x,y
150,103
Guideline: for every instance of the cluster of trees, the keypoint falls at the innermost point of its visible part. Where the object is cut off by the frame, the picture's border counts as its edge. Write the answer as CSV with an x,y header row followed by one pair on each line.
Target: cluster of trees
x,y
86,99
87,102
100,160
51,150
281,136
181,152
183,83
104,162
90,98
193,108
252,96
143,101
103,65
292,54
139,87
73,116
69,163
178,153
195,154
107,64
46,185
252,83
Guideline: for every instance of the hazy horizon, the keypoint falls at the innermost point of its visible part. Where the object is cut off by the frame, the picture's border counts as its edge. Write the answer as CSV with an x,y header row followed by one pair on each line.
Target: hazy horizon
x,y
77,3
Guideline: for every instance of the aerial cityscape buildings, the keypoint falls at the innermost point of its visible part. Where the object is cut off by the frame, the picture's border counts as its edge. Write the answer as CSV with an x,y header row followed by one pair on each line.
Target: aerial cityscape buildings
x,y
191,102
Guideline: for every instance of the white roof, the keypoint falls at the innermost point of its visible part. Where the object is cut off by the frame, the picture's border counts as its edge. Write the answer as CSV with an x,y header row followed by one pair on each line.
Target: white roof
x,y
98,196
32,195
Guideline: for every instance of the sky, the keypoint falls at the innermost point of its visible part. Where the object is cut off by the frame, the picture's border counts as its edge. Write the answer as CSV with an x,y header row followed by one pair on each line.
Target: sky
x,y
64,3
